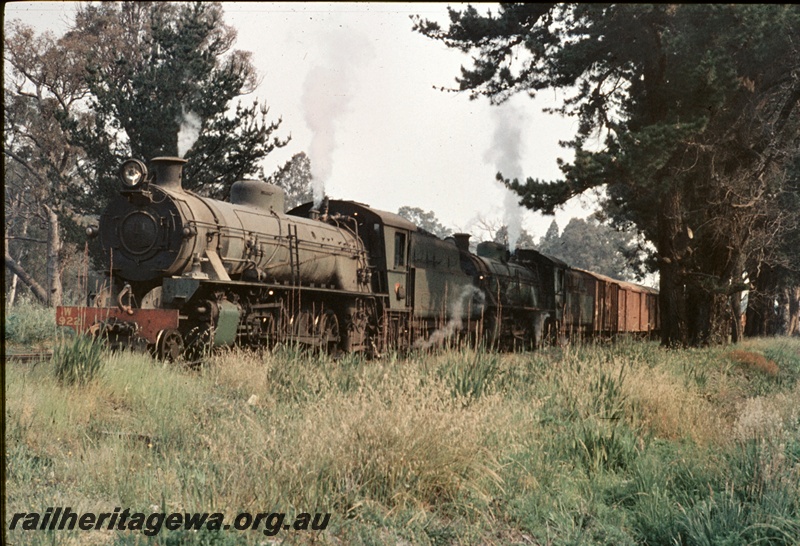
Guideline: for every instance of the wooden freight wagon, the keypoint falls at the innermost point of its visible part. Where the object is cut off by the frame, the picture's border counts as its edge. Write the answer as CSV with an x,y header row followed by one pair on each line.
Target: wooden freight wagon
x,y
618,306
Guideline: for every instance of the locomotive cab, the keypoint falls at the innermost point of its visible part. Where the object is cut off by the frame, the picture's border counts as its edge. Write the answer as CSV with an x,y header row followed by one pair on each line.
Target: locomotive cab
x,y
386,237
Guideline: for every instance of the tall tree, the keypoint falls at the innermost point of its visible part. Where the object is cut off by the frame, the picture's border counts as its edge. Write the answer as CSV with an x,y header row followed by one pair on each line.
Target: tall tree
x,y
551,237
295,179
696,107
774,302
45,82
425,220
162,80
524,239
590,245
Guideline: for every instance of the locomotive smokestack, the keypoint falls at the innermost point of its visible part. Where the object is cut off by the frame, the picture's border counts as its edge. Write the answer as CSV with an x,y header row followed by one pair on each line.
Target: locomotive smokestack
x,y
462,241
168,171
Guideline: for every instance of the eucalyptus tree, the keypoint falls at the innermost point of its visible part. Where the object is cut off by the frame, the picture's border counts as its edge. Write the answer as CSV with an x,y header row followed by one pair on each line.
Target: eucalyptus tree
x,y
44,83
590,245
295,178
425,220
127,79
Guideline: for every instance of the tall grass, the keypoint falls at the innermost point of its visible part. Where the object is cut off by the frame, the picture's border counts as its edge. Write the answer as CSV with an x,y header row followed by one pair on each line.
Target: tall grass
x,y
77,360
620,444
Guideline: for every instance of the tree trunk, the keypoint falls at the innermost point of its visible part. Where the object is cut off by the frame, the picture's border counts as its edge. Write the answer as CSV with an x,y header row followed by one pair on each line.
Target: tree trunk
x,y
759,311
672,296
55,290
709,315
784,312
673,308
30,282
12,295
794,311
762,313
737,332
720,320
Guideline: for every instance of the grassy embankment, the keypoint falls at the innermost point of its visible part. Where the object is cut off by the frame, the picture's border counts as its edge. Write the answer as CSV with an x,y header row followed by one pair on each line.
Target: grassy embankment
x,y
597,444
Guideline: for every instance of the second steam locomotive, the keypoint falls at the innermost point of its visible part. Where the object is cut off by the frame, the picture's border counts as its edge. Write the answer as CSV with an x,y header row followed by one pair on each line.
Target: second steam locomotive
x,y
188,273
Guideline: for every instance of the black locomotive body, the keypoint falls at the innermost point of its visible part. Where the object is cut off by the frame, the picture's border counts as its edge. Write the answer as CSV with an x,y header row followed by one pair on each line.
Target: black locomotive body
x,y
187,273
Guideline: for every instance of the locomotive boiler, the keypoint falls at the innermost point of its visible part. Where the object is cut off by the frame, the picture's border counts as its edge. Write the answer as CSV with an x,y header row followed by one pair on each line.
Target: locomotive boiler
x,y
157,230
186,273
191,272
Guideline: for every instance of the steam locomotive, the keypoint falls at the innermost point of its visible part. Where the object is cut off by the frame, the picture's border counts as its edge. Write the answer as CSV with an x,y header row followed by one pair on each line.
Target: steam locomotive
x,y
188,273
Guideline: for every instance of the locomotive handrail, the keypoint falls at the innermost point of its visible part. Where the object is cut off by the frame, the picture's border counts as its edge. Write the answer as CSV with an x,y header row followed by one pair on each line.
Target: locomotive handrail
x,y
126,291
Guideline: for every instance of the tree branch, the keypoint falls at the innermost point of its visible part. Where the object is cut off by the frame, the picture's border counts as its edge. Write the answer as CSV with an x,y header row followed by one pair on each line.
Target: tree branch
x,y
30,239
26,278
24,164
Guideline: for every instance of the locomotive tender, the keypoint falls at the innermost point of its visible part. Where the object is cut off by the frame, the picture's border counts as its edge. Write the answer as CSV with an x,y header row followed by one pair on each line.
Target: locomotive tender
x,y
187,273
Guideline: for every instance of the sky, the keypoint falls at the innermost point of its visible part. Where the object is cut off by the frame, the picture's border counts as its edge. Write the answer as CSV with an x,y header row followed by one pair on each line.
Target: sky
x,y
359,91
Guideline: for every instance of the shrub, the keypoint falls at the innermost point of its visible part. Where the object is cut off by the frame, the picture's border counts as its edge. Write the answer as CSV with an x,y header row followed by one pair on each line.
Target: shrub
x,y
754,361
29,323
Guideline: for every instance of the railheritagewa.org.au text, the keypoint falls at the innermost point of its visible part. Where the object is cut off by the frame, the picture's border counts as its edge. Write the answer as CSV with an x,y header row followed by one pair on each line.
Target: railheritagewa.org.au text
x,y
150,524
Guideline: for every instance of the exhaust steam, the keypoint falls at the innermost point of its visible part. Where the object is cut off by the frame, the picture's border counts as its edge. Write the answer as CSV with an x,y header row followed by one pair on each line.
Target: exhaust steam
x,y
189,131
469,294
327,94
505,153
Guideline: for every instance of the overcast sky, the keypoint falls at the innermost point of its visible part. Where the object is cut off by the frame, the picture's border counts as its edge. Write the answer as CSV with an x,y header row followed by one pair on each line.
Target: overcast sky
x,y
357,90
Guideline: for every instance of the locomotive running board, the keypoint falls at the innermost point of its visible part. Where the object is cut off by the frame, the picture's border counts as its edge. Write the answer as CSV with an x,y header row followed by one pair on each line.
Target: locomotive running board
x,y
148,322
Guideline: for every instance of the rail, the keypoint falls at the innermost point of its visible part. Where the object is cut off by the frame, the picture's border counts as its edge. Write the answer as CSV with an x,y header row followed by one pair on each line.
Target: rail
x,y
38,356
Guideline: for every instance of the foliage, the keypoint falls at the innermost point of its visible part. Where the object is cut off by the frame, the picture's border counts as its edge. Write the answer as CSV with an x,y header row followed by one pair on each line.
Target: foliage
x,y
44,84
162,68
295,179
687,115
426,221
28,323
128,78
589,245
524,239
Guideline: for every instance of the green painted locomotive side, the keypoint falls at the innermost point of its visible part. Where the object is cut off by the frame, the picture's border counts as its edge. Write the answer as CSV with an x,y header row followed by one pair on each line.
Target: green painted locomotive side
x,y
442,289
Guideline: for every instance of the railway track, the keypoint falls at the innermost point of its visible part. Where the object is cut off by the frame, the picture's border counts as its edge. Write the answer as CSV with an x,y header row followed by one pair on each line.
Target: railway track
x,y
38,356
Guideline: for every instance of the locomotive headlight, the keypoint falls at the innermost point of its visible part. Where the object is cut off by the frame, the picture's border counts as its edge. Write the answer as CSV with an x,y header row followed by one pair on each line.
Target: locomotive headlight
x,y
132,173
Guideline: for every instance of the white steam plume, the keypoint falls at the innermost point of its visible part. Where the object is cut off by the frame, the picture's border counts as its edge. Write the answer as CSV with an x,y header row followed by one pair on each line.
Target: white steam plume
x,y
189,131
505,153
327,93
469,294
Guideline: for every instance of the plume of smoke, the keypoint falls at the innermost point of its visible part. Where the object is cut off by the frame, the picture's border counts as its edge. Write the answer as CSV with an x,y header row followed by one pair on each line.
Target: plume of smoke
x,y
327,94
512,217
506,154
189,131
469,294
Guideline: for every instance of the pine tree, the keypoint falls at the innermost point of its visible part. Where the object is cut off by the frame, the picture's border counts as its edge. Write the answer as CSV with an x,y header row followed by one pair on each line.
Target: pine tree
x,y
688,116
158,67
